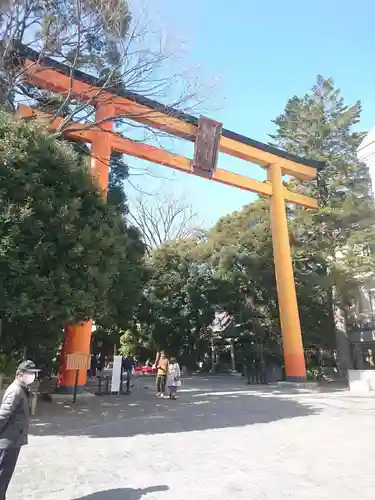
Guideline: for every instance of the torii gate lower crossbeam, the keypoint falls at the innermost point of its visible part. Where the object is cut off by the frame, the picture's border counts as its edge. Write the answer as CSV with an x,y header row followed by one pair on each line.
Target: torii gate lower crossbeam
x,y
53,76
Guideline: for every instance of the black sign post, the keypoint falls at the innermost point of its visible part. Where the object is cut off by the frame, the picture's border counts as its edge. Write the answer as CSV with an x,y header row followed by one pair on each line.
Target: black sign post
x,y
75,387
76,361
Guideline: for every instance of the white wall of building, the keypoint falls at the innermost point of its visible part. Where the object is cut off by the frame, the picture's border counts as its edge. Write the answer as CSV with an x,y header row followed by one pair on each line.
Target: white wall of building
x,y
364,312
366,154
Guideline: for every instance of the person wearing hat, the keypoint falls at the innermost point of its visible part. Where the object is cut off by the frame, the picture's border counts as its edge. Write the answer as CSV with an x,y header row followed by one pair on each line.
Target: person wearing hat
x,y
14,422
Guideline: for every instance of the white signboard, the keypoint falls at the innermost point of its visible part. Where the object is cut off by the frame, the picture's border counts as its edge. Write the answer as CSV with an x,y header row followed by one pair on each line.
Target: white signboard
x,y
116,374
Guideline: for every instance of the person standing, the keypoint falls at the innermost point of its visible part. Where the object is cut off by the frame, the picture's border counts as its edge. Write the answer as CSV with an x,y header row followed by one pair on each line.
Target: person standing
x,y
161,365
174,378
14,422
128,364
370,360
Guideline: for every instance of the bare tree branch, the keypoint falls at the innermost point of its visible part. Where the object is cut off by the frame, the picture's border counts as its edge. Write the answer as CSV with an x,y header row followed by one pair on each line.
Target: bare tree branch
x,y
161,218
101,38
124,49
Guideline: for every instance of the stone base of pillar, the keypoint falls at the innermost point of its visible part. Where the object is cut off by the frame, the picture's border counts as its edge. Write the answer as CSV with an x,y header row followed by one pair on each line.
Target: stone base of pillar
x,y
67,397
298,385
295,380
69,389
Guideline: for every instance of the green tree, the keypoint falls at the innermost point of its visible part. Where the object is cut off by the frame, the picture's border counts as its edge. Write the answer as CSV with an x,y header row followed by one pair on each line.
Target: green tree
x,y
330,242
179,300
124,292
242,249
60,245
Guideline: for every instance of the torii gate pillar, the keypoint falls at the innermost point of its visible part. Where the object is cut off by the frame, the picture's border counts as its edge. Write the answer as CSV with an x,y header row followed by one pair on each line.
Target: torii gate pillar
x,y
294,358
77,338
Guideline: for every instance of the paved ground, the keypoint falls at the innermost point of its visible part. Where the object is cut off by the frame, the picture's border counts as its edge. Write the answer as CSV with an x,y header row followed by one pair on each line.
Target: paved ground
x,y
221,440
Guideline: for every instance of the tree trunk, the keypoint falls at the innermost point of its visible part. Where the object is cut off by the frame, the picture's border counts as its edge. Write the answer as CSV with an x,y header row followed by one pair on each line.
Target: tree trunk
x,y
213,355
331,341
232,356
341,331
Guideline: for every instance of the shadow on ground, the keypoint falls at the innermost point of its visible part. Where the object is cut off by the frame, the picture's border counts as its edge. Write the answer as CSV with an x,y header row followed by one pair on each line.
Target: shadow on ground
x,y
197,409
123,493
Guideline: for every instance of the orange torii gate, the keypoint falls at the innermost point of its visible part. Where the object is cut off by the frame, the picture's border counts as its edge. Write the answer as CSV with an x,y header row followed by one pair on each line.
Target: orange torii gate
x,y
209,138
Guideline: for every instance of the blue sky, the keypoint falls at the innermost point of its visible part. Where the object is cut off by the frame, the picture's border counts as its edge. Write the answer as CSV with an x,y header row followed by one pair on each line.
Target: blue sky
x,y
264,53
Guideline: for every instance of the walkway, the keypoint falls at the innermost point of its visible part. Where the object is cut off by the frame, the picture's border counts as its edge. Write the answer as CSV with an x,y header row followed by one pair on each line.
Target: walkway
x,y
221,440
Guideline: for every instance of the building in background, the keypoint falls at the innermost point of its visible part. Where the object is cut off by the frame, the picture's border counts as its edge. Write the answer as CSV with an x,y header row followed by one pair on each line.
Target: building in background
x,y
366,154
361,321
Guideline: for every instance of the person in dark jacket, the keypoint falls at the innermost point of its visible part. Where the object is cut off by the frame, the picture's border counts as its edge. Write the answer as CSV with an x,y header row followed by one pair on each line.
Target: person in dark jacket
x,y
14,422
128,363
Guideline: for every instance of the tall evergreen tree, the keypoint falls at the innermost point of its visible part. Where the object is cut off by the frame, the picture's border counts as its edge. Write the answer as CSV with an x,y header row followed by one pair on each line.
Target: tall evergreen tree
x,y
331,241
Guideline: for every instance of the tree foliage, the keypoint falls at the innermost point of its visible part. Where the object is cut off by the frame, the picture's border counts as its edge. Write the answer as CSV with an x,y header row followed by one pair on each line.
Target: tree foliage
x,y
60,243
123,294
180,298
320,126
62,248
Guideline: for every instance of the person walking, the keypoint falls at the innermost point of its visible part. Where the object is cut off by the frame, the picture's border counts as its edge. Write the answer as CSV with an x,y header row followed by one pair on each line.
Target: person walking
x,y
174,378
161,365
14,422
